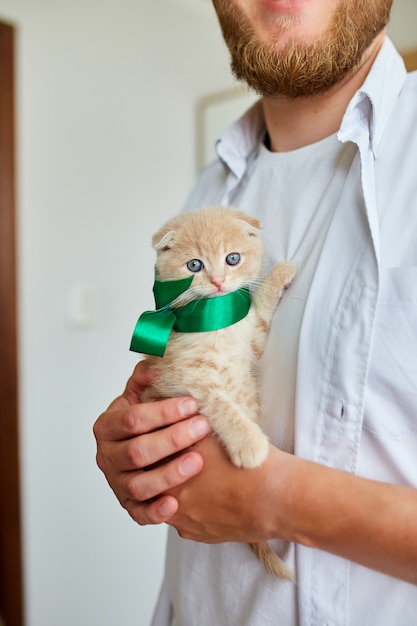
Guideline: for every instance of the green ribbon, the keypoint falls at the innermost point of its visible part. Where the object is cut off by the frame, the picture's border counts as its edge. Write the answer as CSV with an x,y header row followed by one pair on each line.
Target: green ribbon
x,y
153,328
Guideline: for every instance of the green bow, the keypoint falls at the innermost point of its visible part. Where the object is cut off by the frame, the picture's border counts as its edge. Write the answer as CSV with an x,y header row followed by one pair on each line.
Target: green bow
x,y
153,328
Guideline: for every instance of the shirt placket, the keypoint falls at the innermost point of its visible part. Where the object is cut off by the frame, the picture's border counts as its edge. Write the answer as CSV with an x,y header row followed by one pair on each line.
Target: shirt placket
x,y
330,403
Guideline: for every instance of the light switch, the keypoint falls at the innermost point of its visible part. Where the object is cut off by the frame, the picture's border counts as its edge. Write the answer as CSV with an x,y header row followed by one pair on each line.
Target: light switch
x,y
83,305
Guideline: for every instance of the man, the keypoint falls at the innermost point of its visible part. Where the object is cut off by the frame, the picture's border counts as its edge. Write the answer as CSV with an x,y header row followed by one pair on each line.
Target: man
x,y
326,161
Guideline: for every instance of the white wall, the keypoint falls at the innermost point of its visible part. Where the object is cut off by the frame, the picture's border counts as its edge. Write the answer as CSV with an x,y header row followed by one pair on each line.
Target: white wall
x,y
106,94
403,24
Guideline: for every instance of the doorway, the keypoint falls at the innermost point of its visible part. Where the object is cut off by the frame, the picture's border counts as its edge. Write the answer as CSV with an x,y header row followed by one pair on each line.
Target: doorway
x,y
11,596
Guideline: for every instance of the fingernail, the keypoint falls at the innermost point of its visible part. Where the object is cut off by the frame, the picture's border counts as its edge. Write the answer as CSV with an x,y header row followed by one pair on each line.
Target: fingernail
x,y
189,466
188,408
199,427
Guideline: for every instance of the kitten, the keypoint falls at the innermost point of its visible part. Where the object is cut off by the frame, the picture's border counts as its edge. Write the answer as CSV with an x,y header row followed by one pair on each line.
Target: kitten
x,y
222,249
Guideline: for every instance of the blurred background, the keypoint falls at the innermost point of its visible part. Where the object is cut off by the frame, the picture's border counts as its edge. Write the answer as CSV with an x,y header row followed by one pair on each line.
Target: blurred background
x,y
107,111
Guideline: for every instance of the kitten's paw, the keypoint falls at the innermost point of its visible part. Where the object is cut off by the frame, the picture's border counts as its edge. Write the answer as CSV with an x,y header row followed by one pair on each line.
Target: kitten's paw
x,y
282,274
250,447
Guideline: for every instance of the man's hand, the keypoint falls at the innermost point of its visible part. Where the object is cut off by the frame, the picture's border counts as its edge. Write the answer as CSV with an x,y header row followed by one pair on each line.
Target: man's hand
x,y
143,448
227,503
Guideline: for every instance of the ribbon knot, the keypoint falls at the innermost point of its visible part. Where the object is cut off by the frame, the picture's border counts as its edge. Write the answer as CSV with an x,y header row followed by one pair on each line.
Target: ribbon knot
x,y
153,328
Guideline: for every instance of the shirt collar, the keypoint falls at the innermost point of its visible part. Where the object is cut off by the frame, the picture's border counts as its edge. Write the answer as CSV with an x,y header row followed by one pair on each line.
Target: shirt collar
x,y
372,104
368,111
241,141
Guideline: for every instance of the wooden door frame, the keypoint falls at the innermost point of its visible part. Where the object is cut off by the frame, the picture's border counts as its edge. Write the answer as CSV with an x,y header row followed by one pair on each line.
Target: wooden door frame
x,y
410,59
11,586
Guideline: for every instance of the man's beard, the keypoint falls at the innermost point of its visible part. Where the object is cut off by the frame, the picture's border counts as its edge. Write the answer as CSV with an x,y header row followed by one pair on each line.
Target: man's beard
x,y
302,69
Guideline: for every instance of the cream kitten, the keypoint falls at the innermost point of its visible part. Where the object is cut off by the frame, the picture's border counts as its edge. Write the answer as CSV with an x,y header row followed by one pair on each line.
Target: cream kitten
x,y
221,247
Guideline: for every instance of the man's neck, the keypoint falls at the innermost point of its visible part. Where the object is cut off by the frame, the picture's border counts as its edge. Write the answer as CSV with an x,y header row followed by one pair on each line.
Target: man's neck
x,y
296,122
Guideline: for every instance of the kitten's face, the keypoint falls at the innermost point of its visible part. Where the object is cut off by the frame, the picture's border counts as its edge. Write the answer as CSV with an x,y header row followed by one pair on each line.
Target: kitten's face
x,y
220,247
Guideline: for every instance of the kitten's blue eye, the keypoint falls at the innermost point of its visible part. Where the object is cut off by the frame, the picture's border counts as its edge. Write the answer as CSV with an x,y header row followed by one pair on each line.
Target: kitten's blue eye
x,y
195,265
233,258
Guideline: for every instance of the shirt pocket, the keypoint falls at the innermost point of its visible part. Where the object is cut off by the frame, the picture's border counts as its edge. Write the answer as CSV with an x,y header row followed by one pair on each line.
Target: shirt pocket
x,y
391,399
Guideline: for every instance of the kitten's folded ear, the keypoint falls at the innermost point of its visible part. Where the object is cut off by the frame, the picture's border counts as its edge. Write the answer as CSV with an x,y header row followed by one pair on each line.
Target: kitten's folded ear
x,y
164,238
252,221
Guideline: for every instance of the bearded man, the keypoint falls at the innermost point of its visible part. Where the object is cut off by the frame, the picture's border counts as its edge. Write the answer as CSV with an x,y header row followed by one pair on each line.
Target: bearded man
x,y
325,161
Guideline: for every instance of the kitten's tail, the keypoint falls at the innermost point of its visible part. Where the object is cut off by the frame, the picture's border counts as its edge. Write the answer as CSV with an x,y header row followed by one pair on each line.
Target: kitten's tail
x,y
271,561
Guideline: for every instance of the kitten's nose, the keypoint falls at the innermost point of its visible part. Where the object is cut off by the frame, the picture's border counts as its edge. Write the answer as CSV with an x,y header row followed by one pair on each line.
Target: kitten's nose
x,y
218,282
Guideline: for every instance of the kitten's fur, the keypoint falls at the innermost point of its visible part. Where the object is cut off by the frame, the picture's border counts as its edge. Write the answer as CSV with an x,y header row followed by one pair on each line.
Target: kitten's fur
x,y
218,367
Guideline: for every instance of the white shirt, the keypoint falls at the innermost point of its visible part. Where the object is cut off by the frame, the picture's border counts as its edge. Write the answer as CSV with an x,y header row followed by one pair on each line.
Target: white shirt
x,y
356,379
